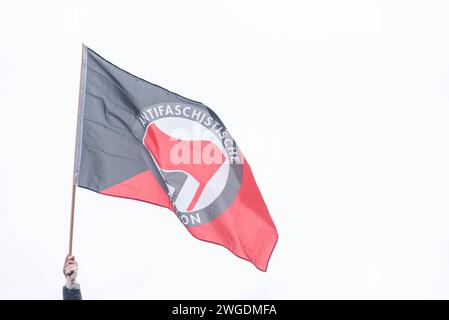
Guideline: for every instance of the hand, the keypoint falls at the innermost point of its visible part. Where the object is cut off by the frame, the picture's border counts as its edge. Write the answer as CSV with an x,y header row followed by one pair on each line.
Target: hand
x,y
70,272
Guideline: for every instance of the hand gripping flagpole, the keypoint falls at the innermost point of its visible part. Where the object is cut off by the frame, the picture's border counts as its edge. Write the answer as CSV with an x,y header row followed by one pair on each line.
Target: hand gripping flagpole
x,y
76,153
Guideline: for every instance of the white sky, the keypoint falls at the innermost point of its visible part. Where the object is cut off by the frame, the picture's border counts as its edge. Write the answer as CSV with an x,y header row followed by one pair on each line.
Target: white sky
x,y
341,108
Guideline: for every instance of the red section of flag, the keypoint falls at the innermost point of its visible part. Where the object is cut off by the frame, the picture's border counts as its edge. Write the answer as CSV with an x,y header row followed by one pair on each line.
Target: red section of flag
x,y
143,187
245,228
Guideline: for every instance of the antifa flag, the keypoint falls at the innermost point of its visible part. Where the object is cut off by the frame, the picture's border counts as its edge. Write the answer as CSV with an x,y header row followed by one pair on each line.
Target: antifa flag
x,y
140,141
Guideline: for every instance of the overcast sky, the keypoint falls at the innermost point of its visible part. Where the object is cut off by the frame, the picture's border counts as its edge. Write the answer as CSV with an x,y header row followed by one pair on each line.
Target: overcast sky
x,y
340,107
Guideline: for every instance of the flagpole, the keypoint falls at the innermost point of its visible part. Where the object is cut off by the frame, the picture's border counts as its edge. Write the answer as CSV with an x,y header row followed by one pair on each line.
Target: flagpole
x,y
72,218
72,207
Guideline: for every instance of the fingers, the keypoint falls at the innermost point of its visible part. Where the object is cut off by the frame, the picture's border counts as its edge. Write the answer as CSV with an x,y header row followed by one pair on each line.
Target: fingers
x,y
70,264
70,270
69,267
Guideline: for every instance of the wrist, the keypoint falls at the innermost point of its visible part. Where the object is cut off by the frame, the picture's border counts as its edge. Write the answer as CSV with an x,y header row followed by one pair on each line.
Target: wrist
x,y
72,285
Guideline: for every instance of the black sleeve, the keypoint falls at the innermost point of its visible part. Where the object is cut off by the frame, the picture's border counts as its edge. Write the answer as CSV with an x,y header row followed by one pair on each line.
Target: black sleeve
x,y
71,294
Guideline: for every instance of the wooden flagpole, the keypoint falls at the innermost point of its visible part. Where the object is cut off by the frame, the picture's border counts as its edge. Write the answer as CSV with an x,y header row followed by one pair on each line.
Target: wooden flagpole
x,y
72,207
72,218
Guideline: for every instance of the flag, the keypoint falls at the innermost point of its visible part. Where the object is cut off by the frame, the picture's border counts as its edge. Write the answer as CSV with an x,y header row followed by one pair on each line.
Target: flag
x,y
140,141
